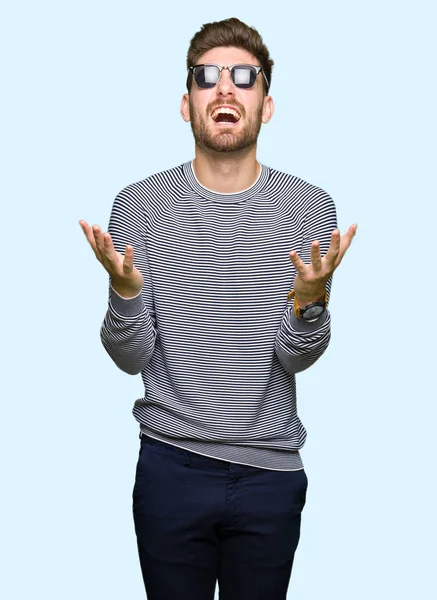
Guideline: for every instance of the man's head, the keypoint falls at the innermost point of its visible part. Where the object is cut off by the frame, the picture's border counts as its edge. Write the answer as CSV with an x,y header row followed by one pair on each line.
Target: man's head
x,y
240,94
230,32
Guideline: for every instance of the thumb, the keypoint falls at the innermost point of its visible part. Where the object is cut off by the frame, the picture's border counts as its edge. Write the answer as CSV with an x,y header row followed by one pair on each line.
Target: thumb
x,y
128,261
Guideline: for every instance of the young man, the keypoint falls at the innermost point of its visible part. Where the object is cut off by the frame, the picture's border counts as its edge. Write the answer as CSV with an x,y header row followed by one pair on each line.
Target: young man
x,y
226,301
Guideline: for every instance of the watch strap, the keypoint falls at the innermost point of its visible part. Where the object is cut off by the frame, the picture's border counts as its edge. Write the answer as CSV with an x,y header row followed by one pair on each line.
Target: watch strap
x,y
300,310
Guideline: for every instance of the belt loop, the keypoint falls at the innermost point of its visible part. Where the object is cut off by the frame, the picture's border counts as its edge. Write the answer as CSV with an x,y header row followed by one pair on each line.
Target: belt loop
x,y
187,459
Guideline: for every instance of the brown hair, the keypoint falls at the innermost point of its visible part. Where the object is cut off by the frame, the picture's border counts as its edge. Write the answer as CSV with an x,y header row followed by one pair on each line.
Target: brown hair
x,y
230,32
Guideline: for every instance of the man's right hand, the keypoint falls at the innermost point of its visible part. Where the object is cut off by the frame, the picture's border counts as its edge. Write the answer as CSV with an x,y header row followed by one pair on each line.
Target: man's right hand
x,y
126,280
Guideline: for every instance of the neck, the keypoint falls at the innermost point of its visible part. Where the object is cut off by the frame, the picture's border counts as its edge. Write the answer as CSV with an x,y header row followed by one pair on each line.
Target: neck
x,y
226,173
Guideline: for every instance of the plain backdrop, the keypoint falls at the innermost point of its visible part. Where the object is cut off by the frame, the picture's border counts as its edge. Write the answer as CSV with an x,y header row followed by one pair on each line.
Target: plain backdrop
x,y
90,103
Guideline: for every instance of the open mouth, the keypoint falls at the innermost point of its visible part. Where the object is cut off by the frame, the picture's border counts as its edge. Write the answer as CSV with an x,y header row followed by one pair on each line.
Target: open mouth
x,y
225,115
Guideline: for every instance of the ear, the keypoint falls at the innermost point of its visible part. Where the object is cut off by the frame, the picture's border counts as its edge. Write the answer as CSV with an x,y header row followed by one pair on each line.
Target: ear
x,y
268,109
185,108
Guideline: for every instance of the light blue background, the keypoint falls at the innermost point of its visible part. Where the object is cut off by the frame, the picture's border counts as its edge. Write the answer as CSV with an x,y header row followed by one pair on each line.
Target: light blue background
x,y
90,102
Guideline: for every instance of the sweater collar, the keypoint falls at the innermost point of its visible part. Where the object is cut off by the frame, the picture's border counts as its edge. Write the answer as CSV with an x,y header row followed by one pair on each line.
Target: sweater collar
x,y
221,197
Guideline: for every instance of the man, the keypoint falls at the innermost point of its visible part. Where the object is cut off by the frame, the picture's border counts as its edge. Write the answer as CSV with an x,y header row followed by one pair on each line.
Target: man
x,y
225,303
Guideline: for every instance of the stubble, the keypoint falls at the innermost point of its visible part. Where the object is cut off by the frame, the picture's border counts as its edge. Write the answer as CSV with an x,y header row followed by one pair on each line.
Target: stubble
x,y
227,139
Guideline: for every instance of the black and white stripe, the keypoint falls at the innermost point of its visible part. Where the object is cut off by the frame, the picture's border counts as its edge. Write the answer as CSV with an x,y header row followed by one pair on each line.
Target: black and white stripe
x,y
212,333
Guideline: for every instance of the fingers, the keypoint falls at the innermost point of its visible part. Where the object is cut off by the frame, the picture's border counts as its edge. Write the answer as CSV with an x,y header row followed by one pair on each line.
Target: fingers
x,y
120,267
334,248
108,250
350,233
320,269
109,257
316,259
105,249
97,232
345,242
88,231
297,262
128,262
104,243
100,242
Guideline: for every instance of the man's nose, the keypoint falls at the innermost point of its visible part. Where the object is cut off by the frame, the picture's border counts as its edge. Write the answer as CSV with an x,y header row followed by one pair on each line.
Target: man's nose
x,y
225,85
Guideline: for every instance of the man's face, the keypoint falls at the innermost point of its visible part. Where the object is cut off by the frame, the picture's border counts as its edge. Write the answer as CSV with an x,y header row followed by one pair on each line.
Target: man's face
x,y
211,131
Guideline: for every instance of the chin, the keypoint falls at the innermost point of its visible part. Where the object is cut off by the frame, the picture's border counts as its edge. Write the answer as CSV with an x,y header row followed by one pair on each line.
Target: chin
x,y
234,145
225,141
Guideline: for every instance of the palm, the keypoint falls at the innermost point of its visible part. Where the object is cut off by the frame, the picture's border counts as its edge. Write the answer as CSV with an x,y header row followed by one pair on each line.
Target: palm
x,y
120,267
311,278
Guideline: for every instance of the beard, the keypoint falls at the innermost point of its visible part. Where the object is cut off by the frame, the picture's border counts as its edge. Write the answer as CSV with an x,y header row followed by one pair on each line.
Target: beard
x,y
225,140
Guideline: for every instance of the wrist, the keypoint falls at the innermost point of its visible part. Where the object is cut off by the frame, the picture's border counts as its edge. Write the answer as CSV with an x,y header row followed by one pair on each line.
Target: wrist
x,y
125,291
305,299
312,310
307,292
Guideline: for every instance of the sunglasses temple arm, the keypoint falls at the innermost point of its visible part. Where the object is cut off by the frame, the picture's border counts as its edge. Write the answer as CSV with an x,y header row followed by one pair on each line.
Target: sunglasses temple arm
x,y
267,83
188,79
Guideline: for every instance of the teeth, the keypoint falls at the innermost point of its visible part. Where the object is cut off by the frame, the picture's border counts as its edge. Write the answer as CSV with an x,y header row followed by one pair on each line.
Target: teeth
x,y
228,111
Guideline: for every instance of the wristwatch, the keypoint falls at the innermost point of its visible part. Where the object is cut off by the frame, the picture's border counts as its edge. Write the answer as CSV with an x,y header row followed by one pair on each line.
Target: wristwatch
x,y
310,312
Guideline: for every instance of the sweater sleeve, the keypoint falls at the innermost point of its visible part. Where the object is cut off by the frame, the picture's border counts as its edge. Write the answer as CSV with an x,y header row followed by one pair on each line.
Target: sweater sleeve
x,y
300,343
128,331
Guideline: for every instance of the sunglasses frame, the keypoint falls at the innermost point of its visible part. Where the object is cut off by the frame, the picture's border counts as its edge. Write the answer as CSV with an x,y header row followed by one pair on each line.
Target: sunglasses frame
x,y
229,68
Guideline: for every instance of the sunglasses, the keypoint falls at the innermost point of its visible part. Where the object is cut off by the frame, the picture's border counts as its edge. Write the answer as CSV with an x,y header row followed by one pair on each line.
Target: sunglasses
x,y
243,76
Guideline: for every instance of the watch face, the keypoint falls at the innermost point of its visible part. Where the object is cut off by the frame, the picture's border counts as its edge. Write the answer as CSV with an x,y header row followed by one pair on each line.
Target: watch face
x,y
312,313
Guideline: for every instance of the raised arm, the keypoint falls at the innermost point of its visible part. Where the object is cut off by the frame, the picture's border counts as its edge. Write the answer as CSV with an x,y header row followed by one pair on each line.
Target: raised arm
x,y
300,343
128,331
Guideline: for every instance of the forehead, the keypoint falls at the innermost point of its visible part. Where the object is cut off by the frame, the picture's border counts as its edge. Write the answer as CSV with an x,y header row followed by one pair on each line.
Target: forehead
x,y
227,55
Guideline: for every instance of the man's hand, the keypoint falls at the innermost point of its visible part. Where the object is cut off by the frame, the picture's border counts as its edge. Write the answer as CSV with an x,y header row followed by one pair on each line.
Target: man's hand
x,y
125,277
310,280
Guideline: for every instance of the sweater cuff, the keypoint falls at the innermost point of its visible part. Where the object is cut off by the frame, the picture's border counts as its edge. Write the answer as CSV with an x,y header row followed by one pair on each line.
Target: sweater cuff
x,y
127,307
302,325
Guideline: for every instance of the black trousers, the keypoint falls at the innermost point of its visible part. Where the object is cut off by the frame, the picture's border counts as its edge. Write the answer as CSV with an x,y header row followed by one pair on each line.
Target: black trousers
x,y
200,521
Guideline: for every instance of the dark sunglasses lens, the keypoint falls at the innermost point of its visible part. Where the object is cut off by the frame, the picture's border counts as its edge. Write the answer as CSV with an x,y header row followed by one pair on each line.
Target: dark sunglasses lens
x,y
206,76
243,76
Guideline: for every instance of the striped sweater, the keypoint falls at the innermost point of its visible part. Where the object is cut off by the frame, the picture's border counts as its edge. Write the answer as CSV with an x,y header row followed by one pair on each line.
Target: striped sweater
x,y
212,333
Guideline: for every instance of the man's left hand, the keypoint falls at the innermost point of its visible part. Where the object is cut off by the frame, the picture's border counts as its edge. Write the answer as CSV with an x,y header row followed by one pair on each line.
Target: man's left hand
x,y
310,280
